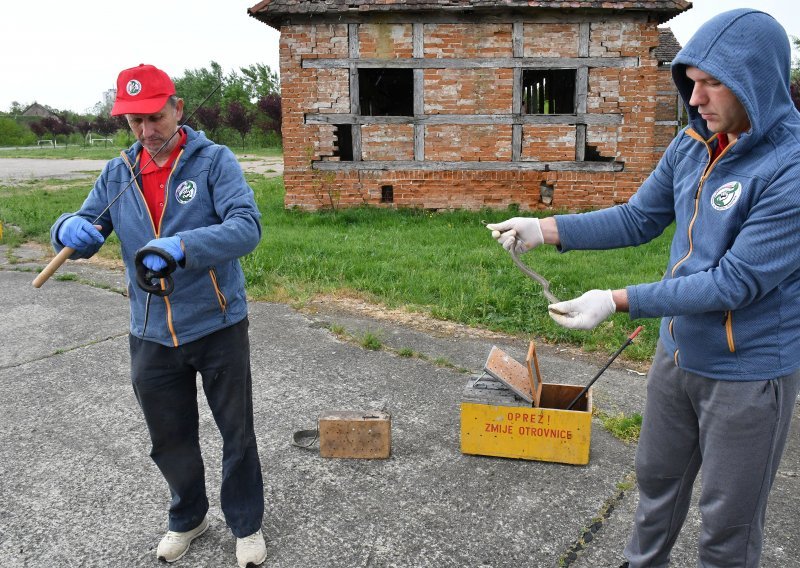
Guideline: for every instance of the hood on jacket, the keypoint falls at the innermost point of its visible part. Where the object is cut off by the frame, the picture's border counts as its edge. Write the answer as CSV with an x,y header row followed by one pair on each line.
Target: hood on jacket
x,y
195,139
749,52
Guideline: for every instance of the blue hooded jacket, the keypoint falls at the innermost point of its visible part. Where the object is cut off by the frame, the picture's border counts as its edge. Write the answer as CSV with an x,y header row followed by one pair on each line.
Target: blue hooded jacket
x,y
209,205
730,297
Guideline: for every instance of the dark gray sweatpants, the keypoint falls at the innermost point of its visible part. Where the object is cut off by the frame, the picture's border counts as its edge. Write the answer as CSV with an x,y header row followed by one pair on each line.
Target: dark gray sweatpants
x,y
732,431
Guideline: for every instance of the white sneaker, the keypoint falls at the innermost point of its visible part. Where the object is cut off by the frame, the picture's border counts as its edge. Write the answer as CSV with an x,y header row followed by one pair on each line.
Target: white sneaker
x,y
251,550
175,544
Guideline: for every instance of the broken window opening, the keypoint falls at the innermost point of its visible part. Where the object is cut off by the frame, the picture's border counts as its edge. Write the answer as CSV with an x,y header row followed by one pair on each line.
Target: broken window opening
x,y
387,194
593,155
343,142
386,92
550,91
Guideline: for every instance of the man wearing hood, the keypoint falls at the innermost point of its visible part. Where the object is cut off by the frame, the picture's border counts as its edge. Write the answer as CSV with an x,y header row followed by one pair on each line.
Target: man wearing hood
x,y
180,198
723,383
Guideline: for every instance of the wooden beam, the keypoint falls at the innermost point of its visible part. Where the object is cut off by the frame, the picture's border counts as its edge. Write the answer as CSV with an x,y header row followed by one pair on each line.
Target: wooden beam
x,y
516,143
518,38
581,89
408,165
580,142
355,93
584,34
460,15
418,39
473,63
605,119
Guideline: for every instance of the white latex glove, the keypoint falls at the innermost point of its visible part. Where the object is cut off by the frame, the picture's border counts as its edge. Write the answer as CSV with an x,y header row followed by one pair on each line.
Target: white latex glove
x,y
523,233
584,312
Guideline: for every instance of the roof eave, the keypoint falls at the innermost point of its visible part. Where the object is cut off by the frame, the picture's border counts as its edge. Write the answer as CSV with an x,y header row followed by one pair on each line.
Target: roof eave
x,y
266,12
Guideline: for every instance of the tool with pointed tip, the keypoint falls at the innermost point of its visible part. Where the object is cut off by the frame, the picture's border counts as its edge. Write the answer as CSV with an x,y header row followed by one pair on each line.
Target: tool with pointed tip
x,y
67,252
611,360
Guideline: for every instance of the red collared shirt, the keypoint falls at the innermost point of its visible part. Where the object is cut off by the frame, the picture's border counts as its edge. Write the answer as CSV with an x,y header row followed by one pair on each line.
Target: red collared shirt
x,y
155,178
722,143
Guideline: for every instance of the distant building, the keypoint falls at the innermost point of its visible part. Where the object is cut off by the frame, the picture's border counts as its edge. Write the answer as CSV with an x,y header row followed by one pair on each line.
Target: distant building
x,y
38,110
446,104
669,107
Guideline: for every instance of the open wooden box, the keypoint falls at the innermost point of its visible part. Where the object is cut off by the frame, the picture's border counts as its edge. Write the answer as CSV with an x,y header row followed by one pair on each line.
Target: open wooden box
x,y
512,413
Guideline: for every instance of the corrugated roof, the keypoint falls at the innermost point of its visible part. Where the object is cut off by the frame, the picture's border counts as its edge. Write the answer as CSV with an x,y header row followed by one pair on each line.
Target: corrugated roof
x,y
668,46
272,11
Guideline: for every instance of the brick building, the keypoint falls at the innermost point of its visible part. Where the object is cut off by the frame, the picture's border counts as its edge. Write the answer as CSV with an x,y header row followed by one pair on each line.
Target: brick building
x,y
470,104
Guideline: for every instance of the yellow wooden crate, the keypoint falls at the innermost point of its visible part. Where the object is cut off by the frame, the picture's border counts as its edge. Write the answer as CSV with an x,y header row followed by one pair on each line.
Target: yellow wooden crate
x,y
497,421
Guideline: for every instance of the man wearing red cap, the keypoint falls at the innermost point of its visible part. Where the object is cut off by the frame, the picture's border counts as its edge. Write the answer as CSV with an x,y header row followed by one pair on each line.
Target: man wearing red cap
x,y
188,203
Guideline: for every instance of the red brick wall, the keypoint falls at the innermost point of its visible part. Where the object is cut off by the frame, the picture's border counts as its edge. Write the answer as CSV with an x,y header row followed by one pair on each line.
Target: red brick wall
x,y
387,142
630,92
550,40
544,143
467,40
468,91
666,111
467,142
385,41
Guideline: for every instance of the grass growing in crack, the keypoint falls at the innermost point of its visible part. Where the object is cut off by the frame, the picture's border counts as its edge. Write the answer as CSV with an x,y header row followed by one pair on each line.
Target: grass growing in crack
x,y
371,341
626,428
337,330
406,352
597,522
66,277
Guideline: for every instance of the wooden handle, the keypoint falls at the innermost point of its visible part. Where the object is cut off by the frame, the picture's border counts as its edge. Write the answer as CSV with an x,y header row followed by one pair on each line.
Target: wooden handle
x,y
54,265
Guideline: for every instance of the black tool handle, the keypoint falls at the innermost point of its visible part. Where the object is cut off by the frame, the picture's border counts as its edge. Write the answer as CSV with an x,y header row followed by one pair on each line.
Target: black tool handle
x,y
149,280
601,371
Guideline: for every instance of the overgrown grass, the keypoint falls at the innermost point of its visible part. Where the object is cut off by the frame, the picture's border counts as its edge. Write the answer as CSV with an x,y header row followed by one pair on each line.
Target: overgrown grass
x,y
443,264
27,210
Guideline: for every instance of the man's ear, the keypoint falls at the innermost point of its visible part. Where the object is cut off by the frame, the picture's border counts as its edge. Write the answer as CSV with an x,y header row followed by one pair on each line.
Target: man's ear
x,y
179,109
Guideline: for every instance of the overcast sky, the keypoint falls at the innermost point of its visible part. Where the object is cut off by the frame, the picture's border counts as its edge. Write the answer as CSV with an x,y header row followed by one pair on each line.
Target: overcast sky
x,y
66,54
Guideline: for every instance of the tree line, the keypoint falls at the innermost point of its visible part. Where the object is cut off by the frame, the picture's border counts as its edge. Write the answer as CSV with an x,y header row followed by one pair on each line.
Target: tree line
x,y
244,108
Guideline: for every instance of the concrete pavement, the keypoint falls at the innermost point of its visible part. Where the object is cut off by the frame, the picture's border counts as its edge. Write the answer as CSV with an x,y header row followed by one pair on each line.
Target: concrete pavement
x,y
77,487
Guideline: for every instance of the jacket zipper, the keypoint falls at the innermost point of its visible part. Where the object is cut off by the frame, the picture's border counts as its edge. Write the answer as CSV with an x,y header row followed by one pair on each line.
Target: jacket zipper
x,y
170,323
223,302
727,321
156,232
672,335
703,179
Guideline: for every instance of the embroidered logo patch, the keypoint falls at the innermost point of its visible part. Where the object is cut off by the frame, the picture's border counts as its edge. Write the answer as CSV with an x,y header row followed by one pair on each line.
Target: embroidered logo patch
x,y
186,192
726,196
133,87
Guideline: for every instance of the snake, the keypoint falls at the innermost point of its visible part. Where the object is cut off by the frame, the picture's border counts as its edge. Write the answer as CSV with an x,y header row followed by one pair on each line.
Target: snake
x,y
532,274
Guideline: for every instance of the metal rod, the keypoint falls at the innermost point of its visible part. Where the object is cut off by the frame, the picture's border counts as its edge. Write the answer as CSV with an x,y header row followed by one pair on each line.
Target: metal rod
x,y
66,252
614,356
153,156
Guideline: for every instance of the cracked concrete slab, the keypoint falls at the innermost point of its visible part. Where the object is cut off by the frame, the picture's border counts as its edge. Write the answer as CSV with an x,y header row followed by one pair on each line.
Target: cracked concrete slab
x,y
74,466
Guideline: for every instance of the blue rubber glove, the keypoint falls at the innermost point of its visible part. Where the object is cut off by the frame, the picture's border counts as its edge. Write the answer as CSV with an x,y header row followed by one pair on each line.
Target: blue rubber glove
x,y
170,245
79,234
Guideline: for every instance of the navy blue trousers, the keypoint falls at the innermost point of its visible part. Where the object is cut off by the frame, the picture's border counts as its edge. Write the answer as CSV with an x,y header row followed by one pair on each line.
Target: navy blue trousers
x,y
164,381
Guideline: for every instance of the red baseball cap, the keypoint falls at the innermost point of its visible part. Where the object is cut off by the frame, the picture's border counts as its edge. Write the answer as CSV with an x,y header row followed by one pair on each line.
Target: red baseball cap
x,y
142,90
